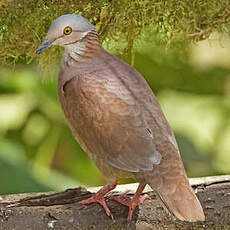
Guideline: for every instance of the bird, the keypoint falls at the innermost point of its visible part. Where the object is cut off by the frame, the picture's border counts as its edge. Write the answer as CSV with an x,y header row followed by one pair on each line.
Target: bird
x,y
115,117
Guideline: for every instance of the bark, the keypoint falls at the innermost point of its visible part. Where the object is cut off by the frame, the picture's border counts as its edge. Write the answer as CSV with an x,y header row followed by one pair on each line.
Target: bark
x,y
59,210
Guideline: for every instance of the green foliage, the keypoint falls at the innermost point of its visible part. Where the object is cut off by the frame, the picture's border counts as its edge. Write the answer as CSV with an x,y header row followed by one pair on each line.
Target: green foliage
x,y
15,174
36,146
23,24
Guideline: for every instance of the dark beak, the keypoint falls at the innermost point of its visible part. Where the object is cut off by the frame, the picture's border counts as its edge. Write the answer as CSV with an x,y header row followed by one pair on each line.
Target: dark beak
x,y
46,44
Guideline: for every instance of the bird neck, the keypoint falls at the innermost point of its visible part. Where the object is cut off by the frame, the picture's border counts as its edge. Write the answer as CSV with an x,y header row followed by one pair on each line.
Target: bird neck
x,y
82,51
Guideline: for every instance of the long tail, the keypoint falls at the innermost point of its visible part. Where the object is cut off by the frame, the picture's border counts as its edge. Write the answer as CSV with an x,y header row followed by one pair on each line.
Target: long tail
x,y
180,200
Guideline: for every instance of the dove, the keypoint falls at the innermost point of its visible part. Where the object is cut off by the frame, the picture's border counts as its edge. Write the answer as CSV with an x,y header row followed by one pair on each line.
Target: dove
x,y
115,117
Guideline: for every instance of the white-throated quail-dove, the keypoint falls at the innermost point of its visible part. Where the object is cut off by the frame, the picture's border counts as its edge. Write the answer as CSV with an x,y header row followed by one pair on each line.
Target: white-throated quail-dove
x,y
117,120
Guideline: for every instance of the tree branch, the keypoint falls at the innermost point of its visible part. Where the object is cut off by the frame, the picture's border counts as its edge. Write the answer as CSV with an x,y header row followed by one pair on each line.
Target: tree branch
x,y
59,210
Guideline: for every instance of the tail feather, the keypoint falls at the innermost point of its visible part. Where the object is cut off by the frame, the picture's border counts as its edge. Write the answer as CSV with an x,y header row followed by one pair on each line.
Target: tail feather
x,y
182,202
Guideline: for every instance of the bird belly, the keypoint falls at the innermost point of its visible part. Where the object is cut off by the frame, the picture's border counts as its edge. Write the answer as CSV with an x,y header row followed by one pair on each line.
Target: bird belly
x,y
110,173
82,116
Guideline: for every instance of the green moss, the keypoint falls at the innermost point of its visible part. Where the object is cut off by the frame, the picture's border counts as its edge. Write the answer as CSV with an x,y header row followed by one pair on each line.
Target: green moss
x,y
23,24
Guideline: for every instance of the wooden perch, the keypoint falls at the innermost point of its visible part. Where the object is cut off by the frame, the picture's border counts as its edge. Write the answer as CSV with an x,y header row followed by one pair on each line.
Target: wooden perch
x,y
59,210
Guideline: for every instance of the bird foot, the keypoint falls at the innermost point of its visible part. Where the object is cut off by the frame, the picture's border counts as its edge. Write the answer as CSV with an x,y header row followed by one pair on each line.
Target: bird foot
x,y
97,199
131,203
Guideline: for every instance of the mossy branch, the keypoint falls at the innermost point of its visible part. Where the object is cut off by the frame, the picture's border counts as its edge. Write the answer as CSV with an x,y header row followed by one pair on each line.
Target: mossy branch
x,y
23,24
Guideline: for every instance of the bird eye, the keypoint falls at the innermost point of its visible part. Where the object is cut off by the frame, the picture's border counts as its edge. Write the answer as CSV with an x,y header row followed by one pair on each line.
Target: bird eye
x,y
67,30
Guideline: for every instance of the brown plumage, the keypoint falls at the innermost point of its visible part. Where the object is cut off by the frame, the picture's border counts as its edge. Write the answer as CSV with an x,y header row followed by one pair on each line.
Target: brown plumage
x,y
117,120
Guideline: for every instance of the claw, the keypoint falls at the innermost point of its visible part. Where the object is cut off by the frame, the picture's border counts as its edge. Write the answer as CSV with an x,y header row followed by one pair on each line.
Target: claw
x,y
131,203
99,197
123,199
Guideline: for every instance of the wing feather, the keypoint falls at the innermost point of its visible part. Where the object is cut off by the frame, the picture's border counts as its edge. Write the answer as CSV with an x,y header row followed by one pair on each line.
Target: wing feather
x,y
122,116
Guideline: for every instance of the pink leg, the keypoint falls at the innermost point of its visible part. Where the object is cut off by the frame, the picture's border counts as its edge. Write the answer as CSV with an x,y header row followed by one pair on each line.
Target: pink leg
x,y
99,197
131,203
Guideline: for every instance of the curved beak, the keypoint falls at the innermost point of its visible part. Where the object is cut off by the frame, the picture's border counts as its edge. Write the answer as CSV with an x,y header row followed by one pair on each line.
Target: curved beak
x,y
46,44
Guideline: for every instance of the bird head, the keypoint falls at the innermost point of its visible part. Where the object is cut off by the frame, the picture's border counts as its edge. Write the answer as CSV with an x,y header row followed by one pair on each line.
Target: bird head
x,y
66,30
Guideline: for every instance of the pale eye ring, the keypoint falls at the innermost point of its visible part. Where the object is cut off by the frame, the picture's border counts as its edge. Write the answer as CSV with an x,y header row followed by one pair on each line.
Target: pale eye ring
x,y
67,30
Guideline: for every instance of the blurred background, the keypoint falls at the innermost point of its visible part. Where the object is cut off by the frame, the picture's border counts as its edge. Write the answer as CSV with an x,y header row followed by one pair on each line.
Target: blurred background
x,y
38,152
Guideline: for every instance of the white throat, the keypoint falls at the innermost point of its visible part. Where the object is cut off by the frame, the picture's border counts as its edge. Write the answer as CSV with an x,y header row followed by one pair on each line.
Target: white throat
x,y
74,51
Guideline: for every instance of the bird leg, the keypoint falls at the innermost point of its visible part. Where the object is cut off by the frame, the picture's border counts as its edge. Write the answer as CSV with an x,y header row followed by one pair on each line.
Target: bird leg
x,y
99,197
131,203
